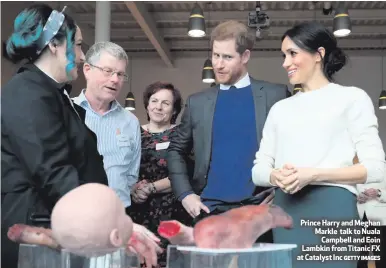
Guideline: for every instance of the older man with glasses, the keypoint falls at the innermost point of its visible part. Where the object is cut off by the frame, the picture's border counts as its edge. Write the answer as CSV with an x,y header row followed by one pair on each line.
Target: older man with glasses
x,y
118,130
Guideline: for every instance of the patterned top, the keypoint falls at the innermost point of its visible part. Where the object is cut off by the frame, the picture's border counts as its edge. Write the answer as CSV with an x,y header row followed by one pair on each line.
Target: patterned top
x,y
160,206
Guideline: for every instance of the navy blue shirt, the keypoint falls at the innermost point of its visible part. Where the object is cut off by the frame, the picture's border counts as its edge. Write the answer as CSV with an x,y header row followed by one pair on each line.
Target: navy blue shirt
x,y
234,146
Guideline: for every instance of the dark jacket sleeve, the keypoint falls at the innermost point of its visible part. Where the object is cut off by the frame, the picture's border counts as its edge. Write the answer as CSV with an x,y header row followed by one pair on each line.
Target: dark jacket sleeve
x,y
94,170
279,93
34,124
287,92
179,149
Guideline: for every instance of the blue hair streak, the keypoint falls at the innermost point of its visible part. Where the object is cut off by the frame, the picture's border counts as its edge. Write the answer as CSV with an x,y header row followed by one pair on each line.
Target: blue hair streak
x,y
70,54
25,20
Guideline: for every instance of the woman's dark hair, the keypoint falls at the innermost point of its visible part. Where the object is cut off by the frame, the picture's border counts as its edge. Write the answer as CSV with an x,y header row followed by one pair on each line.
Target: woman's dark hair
x,y
157,86
28,27
310,36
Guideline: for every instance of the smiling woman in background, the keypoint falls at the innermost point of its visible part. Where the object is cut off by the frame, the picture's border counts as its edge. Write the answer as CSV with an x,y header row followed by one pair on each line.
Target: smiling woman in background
x,y
46,149
309,157
153,200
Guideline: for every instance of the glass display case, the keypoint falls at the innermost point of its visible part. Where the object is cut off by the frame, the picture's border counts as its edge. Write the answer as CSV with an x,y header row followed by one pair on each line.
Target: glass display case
x,y
32,256
260,255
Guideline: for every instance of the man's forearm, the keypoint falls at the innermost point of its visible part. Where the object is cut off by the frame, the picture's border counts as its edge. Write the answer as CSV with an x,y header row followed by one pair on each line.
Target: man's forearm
x,y
178,173
180,184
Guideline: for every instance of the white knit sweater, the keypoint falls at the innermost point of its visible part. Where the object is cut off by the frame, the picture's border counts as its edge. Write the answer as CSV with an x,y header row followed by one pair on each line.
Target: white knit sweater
x,y
323,128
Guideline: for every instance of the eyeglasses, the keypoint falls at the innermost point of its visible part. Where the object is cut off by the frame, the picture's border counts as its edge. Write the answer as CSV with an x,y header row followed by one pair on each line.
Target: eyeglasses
x,y
107,72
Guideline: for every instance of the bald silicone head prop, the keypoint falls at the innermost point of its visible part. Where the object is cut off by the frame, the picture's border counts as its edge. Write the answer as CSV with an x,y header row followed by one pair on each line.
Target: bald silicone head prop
x,y
91,220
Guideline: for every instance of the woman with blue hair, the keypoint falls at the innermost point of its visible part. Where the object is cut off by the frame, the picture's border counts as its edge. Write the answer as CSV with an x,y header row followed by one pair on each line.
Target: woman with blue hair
x,y
46,149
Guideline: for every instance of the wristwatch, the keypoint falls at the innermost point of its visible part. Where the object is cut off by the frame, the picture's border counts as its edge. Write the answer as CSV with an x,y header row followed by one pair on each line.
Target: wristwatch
x,y
379,193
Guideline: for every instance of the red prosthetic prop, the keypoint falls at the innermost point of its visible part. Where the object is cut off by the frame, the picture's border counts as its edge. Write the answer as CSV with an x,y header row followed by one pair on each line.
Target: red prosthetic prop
x,y
176,232
101,227
240,227
25,234
236,228
141,242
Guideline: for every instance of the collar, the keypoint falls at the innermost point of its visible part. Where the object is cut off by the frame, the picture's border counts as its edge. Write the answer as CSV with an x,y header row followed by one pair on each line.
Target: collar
x,y
81,100
243,82
47,79
68,88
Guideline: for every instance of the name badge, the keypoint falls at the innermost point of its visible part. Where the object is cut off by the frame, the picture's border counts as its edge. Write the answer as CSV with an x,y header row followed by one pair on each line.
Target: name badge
x,y
162,145
122,137
123,140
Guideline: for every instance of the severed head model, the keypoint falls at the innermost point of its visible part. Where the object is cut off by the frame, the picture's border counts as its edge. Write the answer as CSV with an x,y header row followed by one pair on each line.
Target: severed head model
x,y
91,221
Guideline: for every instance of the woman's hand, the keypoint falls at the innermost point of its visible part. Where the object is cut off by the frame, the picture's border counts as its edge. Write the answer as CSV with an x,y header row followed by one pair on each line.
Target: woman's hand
x,y
140,192
280,174
367,195
293,179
